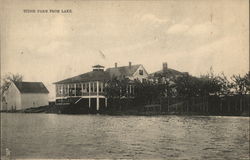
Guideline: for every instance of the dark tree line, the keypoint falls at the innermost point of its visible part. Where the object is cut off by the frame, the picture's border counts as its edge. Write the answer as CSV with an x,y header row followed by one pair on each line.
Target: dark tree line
x,y
185,86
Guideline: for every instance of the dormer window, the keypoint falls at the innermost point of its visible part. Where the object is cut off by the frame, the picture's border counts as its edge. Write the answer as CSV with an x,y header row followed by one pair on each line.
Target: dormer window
x,y
140,72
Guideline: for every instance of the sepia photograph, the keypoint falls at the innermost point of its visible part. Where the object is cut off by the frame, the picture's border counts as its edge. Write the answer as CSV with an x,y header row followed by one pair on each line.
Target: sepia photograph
x,y
125,79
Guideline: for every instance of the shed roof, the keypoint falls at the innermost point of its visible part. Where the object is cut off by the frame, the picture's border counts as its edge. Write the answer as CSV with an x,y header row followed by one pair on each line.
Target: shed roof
x,y
31,87
122,71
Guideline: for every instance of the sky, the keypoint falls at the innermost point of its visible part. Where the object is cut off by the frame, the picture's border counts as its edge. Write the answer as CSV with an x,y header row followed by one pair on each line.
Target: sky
x,y
190,35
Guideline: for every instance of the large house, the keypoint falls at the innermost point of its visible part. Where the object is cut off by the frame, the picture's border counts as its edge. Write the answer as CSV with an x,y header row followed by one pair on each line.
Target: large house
x,y
166,74
22,95
132,72
88,88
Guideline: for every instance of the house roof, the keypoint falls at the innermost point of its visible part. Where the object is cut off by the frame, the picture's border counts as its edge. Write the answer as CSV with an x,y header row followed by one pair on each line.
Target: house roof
x,y
31,87
122,71
98,75
98,66
86,77
167,72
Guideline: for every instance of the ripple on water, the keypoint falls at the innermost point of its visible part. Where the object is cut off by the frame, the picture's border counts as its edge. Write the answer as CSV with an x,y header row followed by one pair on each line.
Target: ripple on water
x,y
166,137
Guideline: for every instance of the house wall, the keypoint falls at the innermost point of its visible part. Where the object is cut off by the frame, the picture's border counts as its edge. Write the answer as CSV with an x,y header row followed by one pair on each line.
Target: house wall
x,y
13,98
29,100
137,75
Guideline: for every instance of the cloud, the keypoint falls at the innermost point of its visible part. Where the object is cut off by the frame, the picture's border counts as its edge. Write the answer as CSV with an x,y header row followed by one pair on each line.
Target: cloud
x,y
152,19
203,29
178,29
198,30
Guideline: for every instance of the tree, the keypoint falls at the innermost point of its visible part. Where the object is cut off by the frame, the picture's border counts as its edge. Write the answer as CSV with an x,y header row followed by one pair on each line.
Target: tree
x,y
147,92
225,85
187,86
8,78
112,89
211,84
117,89
241,84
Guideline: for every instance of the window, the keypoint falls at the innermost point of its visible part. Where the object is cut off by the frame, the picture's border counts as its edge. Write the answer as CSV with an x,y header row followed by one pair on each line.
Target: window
x,y
84,87
87,87
100,87
140,72
91,87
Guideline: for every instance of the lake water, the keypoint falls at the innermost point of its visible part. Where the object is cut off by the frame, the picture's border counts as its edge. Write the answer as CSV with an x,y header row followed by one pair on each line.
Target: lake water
x,y
98,136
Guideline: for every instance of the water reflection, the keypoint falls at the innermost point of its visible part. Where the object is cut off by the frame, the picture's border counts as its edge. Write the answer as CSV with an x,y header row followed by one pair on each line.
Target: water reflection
x,y
96,136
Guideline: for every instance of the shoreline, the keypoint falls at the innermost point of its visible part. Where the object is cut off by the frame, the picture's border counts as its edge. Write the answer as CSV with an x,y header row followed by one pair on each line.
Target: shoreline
x,y
53,110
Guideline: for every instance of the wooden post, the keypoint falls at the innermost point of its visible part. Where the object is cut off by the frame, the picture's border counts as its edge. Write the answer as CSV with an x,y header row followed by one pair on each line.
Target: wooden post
x,y
241,103
89,95
168,104
97,97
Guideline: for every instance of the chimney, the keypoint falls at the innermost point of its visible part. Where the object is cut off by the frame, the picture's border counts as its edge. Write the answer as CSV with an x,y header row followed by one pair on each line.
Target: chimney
x,y
115,65
164,66
129,64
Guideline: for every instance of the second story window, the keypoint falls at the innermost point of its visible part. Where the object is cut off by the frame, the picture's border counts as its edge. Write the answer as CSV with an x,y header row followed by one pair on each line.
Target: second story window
x,y
140,72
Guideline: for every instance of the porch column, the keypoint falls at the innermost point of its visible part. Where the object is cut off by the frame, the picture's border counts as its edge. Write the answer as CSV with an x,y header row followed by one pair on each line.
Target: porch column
x,y
101,87
75,89
65,90
61,90
82,89
97,97
56,90
89,95
68,90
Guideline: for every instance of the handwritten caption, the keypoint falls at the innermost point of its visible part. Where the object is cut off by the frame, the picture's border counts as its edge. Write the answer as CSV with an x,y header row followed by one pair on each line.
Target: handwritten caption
x,y
47,11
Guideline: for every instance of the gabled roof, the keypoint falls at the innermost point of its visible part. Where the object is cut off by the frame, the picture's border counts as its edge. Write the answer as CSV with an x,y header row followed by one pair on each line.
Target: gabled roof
x,y
123,71
31,87
86,77
167,72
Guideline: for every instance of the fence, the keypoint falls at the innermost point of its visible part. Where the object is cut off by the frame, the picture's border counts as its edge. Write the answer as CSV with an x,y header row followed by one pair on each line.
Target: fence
x,y
212,105
209,105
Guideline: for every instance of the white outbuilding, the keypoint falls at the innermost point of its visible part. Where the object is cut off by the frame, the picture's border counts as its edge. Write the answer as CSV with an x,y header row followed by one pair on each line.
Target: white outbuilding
x,y
22,95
